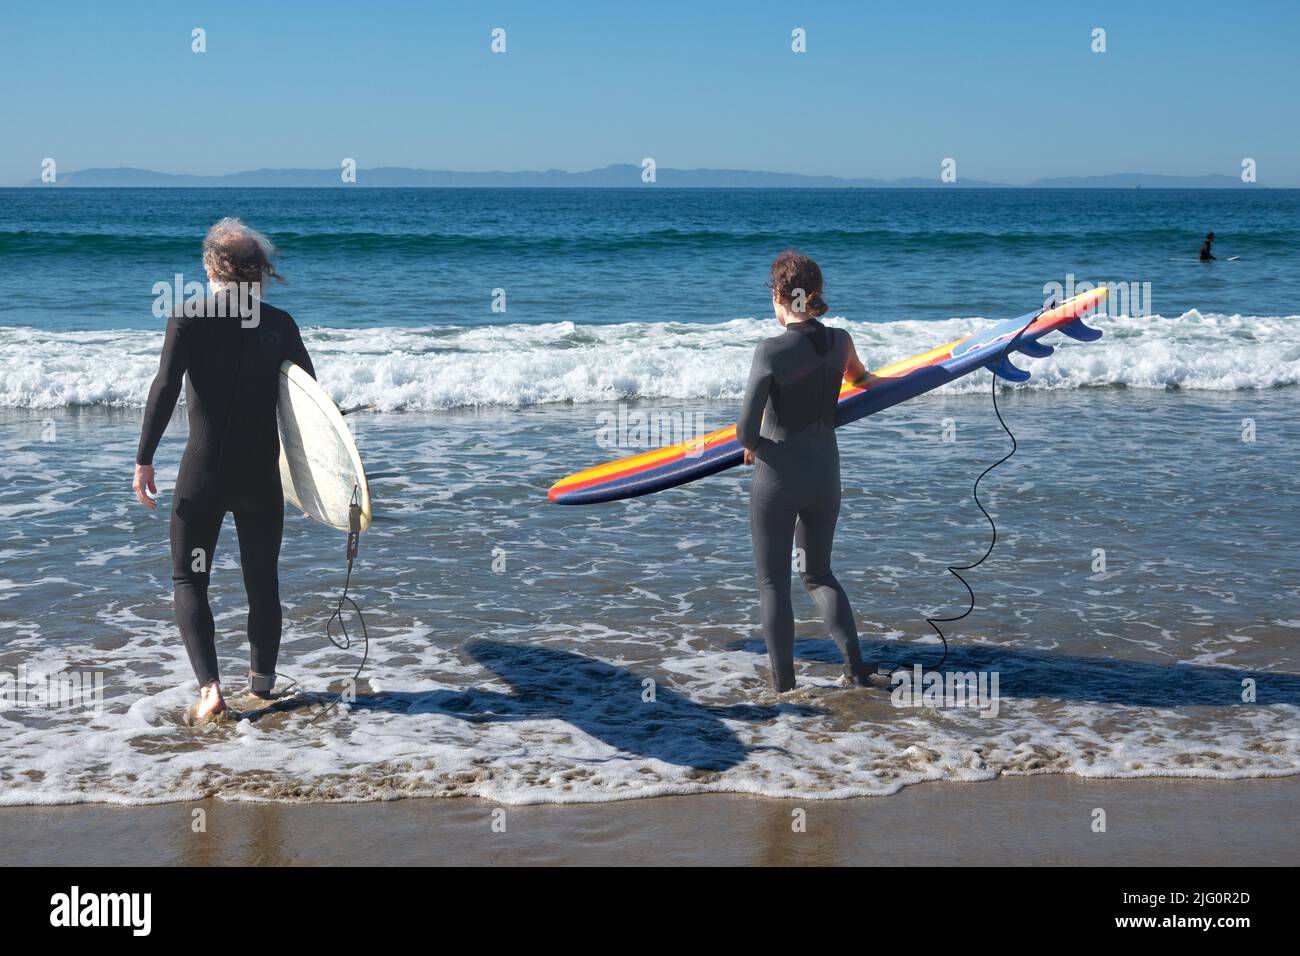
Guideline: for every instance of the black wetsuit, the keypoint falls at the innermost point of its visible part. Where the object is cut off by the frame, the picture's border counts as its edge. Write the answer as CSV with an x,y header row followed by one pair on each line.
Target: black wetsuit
x,y
1206,255
788,421
231,464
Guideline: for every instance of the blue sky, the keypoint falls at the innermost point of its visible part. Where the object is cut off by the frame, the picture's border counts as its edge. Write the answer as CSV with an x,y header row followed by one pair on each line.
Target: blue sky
x,y
1010,90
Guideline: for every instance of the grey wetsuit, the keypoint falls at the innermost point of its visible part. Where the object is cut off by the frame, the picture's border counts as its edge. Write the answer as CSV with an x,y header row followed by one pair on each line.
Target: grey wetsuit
x,y
788,421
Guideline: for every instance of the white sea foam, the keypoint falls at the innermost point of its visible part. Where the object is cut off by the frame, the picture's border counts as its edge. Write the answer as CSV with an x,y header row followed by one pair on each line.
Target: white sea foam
x,y
592,739
443,367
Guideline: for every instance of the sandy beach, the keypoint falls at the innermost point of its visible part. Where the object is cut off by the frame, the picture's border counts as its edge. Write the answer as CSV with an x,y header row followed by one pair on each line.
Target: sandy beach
x,y
1025,821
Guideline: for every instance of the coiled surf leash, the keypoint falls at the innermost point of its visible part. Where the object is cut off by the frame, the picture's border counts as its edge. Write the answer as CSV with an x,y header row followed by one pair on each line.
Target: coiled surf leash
x,y
344,640
956,569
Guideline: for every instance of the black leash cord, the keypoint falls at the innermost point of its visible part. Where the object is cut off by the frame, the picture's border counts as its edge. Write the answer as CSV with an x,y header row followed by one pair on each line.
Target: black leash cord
x,y
344,641
956,569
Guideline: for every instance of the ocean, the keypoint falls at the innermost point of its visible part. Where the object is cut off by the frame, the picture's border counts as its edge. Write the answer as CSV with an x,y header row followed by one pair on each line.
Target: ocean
x,y
1139,608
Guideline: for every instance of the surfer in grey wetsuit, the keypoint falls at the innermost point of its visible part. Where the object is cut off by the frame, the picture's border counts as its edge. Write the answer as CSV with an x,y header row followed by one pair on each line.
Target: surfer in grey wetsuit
x,y
227,349
787,427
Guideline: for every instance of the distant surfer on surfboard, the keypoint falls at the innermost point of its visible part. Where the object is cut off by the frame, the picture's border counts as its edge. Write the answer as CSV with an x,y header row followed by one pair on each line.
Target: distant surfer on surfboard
x,y
230,361
787,427
1206,254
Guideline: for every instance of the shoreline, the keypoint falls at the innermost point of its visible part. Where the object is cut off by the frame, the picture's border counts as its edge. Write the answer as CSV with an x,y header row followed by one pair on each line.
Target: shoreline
x,y
1018,821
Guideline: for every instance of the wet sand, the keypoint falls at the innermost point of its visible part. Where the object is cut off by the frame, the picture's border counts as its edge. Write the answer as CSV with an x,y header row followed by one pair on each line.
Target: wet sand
x,y
1040,820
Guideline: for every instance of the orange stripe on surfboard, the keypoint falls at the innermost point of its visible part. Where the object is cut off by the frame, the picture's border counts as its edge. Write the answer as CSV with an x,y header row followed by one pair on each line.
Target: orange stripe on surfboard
x,y
645,461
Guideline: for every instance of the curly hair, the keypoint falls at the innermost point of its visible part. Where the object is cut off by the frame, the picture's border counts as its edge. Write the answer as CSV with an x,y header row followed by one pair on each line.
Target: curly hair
x,y
234,252
792,274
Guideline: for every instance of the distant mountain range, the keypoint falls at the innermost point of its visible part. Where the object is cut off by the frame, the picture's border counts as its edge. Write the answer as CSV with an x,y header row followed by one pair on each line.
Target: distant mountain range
x,y
624,175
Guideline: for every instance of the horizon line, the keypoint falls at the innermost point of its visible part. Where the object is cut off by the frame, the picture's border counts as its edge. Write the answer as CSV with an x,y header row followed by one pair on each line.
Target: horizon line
x,y
110,177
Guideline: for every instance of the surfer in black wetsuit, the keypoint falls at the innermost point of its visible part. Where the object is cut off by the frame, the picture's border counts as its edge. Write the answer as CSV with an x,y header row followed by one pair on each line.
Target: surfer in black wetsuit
x,y
228,350
1206,254
787,427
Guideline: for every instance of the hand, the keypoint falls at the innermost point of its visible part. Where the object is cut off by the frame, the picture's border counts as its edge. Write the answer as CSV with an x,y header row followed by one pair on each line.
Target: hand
x,y
749,457
144,481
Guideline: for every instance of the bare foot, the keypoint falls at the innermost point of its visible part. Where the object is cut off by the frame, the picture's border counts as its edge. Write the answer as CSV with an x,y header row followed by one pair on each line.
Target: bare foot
x,y
210,702
865,675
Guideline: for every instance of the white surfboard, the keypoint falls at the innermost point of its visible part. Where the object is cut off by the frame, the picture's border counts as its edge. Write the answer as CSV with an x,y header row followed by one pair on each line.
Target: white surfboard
x,y
319,464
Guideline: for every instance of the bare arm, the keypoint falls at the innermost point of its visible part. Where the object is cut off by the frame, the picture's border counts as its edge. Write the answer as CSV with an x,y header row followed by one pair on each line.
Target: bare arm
x,y
855,373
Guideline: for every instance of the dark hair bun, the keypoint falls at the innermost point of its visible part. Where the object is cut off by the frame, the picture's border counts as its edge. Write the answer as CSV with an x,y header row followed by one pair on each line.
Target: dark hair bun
x,y
794,273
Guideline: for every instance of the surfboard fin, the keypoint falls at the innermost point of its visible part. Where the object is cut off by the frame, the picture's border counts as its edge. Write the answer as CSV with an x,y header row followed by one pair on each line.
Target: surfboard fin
x,y
1004,369
1083,333
1035,349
